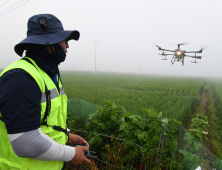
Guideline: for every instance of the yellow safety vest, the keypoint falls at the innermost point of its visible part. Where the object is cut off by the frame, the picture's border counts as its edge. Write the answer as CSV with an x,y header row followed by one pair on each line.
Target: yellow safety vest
x,y
57,117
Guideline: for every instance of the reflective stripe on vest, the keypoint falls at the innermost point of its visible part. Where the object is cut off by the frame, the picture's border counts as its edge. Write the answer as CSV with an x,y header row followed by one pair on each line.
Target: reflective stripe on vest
x,y
53,94
57,117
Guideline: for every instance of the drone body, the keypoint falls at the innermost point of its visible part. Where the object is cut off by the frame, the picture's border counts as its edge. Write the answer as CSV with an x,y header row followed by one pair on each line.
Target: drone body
x,y
179,55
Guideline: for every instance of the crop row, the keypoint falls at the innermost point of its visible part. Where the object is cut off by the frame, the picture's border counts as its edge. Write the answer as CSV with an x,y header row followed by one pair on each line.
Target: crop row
x,y
214,88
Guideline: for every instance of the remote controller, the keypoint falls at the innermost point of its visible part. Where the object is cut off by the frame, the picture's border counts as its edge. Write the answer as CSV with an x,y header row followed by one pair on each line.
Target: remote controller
x,y
86,153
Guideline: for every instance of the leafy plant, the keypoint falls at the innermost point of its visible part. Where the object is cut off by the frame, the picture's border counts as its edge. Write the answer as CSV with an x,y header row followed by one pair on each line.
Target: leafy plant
x,y
191,160
74,122
143,130
200,124
106,119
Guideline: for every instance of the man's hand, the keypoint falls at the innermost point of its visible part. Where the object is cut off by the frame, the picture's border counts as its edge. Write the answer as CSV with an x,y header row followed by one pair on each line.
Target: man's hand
x,y
76,139
79,157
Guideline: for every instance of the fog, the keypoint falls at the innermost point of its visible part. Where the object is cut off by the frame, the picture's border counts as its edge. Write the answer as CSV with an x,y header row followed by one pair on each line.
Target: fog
x,y
120,34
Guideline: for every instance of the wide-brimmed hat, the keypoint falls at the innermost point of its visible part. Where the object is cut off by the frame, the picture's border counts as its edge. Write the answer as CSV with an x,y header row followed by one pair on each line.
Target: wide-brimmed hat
x,y
45,29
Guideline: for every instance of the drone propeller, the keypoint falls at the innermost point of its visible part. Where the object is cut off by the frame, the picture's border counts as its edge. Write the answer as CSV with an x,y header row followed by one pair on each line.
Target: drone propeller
x,y
201,50
181,44
157,46
185,43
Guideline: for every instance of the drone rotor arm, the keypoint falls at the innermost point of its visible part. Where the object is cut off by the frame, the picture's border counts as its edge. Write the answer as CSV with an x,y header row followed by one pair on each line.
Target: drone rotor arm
x,y
166,54
188,56
200,51
191,51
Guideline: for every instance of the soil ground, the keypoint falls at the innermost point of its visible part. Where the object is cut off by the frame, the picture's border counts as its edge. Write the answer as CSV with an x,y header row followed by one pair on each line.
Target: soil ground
x,y
202,107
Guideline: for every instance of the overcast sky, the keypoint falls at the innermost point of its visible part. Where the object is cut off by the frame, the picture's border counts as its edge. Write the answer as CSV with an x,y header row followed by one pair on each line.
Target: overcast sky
x,y
125,31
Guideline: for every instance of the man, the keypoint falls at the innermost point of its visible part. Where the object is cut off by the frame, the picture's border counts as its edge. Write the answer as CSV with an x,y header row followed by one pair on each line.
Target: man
x,y
33,104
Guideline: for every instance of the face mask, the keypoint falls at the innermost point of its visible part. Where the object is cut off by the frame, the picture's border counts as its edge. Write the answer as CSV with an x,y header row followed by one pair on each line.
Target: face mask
x,y
59,54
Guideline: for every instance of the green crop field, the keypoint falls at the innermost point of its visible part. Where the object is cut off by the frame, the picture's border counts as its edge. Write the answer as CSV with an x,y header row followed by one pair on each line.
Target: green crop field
x,y
173,96
217,89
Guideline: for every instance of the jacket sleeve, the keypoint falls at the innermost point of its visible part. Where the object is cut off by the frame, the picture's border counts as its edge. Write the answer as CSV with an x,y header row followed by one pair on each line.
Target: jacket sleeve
x,y
20,99
37,145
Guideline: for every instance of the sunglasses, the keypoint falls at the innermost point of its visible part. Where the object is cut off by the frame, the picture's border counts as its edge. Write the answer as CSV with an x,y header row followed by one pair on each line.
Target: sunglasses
x,y
66,41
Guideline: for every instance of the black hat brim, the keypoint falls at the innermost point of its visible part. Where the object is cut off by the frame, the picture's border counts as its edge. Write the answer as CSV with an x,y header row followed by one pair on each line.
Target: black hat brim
x,y
46,39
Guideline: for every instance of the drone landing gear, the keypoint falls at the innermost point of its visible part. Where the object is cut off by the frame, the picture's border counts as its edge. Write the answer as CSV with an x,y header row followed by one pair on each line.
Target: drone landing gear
x,y
194,62
196,57
182,62
173,60
165,57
